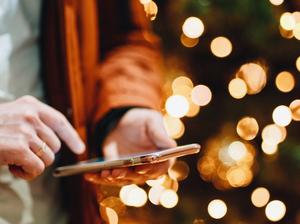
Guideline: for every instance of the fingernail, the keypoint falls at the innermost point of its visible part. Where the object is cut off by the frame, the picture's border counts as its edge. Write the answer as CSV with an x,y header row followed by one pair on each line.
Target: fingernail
x,y
81,148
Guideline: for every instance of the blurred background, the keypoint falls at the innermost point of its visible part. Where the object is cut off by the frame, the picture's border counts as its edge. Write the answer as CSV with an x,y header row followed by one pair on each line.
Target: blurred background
x,y
232,85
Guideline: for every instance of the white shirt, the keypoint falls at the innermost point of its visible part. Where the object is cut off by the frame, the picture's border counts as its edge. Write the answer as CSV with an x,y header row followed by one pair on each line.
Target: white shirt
x,y
21,201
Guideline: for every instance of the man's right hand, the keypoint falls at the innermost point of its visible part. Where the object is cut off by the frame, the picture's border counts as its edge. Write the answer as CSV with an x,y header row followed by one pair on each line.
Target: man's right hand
x,y
30,133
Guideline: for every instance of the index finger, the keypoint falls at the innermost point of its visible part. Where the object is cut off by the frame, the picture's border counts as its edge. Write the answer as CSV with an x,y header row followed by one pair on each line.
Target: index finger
x,y
62,127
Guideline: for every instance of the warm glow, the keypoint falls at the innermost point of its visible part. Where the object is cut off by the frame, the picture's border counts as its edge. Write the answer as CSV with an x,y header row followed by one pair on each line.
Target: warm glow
x,y
287,21
188,42
237,88
295,108
132,195
239,177
298,63
174,126
275,210
247,128
260,197
179,171
285,82
151,9
112,216
182,81
282,115
201,95
145,1
269,149
276,2
155,194
157,182
254,75
273,134
168,198
221,47
177,106
193,27
296,31
217,209
237,150
194,110
110,208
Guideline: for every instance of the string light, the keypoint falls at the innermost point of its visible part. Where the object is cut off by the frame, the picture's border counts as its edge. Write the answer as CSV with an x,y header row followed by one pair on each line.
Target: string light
x,y
287,21
260,197
285,81
169,198
177,106
282,115
217,209
273,134
247,128
237,150
132,195
188,42
275,210
269,149
155,193
276,2
221,47
237,88
193,27
295,109
201,95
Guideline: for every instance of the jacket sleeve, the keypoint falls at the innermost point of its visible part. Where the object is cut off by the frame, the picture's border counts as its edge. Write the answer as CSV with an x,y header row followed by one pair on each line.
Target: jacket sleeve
x,y
130,74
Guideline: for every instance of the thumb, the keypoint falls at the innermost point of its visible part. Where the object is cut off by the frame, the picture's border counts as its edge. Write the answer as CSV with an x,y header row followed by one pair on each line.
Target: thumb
x,y
157,133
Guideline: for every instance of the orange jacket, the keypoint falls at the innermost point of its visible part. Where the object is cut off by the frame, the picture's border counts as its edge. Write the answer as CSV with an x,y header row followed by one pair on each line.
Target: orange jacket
x,y
97,55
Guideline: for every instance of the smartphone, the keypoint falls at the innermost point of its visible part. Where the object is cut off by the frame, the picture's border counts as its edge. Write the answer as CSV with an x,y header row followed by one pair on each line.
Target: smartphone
x,y
98,164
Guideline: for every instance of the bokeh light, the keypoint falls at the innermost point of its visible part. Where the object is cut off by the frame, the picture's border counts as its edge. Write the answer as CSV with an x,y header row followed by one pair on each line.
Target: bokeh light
x,y
296,31
145,1
285,81
177,106
168,198
157,182
201,95
239,176
287,21
275,210
174,126
110,208
221,47
237,150
254,75
273,134
217,209
269,149
110,215
193,110
132,195
193,27
237,88
295,109
260,197
179,171
282,115
276,2
151,9
188,42
155,193
247,128
298,63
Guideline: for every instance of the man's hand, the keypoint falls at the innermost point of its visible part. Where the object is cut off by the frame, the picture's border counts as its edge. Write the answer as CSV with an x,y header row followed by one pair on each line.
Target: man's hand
x,y
30,134
139,130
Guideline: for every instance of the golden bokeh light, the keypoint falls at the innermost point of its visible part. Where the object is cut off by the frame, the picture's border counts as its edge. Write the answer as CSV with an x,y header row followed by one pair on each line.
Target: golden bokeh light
x,y
193,27
110,208
179,171
260,197
276,2
109,215
177,106
132,195
273,134
237,88
285,81
155,193
157,182
298,63
145,1
269,149
188,42
194,110
295,109
201,95
254,75
217,209
239,176
151,9
282,115
288,34
174,126
287,21
237,150
296,31
296,16
247,128
182,81
221,47
168,198
275,210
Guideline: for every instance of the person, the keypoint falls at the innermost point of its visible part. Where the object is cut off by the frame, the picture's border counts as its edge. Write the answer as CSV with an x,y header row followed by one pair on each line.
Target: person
x,y
93,64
